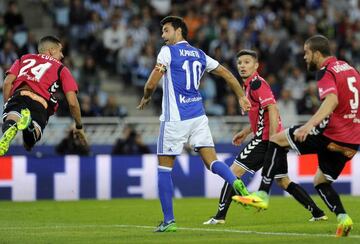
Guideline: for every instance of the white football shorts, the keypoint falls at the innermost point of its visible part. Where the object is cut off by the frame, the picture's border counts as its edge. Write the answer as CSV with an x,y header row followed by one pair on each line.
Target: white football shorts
x,y
174,134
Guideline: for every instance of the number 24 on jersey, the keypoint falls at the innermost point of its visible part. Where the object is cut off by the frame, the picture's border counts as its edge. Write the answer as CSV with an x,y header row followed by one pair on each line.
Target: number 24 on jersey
x,y
37,70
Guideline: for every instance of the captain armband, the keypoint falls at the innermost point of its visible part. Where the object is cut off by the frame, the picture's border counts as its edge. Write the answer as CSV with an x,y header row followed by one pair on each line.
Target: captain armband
x,y
160,68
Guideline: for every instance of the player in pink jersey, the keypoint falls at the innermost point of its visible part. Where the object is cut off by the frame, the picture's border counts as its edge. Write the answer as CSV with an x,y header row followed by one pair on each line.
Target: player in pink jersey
x,y
264,122
29,99
333,132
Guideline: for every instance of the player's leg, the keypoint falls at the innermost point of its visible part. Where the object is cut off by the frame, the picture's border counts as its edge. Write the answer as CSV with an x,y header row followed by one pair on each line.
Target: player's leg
x,y
165,188
33,132
330,166
9,130
227,192
296,190
31,135
275,163
218,167
250,159
16,117
170,143
200,139
302,197
39,118
328,193
333,202
275,155
332,159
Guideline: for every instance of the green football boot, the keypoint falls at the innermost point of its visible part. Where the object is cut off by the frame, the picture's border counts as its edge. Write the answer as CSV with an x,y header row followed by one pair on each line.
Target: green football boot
x,y
240,187
345,225
166,227
258,199
25,119
11,132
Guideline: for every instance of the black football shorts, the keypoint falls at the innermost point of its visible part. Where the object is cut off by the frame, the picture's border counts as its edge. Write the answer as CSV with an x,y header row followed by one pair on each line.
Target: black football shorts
x,y
252,157
332,155
16,103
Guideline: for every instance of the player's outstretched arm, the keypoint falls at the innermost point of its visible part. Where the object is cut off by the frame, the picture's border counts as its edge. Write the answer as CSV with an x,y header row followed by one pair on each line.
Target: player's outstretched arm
x,y
151,84
9,79
241,136
74,108
326,108
273,118
234,85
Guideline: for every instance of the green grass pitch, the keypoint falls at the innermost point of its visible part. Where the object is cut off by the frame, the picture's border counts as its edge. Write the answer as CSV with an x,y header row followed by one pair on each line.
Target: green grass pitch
x,y
133,220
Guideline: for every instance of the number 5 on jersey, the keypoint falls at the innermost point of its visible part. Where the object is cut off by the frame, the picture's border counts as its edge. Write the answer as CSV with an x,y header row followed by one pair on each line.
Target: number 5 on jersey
x,y
354,103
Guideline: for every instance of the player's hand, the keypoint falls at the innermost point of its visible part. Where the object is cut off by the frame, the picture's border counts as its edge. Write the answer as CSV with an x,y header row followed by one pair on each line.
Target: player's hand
x,y
143,103
239,138
80,136
245,104
302,132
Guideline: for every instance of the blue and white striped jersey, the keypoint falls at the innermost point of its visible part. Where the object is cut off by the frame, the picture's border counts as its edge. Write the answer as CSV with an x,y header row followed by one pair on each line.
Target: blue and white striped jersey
x,y
185,65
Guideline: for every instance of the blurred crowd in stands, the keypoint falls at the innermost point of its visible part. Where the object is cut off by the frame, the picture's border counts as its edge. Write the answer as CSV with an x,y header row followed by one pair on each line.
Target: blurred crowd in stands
x,y
123,37
130,142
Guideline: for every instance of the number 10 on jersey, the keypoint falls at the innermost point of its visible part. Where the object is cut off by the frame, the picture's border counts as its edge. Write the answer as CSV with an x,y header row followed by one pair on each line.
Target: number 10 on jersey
x,y
195,70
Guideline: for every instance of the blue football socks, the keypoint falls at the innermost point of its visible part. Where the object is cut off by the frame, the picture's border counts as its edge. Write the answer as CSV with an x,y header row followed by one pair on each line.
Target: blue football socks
x,y
221,169
165,187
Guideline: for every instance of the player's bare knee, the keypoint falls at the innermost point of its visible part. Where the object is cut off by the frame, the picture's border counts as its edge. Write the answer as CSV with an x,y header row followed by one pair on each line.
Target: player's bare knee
x,y
280,139
12,116
208,156
283,182
320,178
166,161
275,138
207,166
237,170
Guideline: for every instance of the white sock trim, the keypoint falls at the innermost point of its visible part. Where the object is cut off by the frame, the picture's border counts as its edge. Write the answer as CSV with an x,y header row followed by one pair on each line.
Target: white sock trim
x,y
213,163
164,168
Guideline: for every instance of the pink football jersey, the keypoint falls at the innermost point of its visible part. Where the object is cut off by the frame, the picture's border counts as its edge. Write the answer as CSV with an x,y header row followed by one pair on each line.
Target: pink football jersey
x,y
260,95
43,74
341,79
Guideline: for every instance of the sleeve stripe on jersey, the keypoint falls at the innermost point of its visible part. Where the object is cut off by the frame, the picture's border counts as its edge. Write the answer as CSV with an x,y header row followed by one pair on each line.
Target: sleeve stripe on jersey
x,y
328,91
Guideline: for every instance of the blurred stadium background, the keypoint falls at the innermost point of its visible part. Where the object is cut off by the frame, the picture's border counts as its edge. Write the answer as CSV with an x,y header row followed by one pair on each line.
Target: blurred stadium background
x,y
111,48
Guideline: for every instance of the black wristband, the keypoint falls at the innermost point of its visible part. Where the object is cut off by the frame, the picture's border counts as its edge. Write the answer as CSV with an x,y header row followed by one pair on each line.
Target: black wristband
x,y
79,127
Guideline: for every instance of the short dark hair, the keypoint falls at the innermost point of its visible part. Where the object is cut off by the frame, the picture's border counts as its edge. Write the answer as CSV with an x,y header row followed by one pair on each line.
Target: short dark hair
x,y
250,52
46,39
52,39
176,22
319,43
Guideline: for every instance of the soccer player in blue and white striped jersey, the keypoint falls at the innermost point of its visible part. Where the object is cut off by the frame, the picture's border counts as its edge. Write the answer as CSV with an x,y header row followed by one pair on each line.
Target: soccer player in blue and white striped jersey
x,y
183,119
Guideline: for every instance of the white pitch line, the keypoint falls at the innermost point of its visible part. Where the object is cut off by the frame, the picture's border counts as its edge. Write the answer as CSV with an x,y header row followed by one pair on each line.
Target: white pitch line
x,y
179,228
241,231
